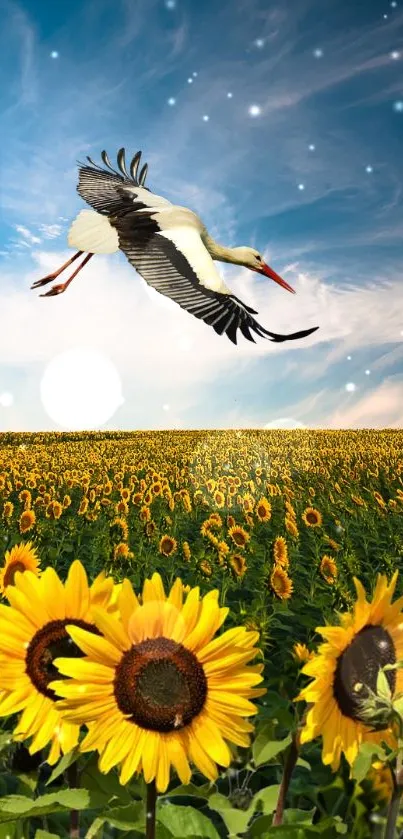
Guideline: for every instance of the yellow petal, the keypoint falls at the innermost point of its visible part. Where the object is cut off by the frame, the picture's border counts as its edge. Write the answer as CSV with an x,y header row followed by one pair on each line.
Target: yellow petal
x,y
127,602
111,629
98,649
77,596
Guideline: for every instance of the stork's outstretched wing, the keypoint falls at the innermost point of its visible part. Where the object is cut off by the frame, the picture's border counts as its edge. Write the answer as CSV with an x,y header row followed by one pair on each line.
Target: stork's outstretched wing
x,y
110,193
167,268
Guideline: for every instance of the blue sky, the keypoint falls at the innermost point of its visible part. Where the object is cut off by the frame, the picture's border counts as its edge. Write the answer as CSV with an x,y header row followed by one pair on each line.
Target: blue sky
x,y
301,157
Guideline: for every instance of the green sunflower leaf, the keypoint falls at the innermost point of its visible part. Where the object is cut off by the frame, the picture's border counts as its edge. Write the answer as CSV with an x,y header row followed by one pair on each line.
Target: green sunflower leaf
x,y
14,807
190,790
186,822
63,764
364,759
129,817
263,753
236,819
382,686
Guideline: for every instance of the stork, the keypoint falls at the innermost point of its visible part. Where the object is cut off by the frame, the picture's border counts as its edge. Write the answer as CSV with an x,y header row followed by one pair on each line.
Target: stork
x,y
167,244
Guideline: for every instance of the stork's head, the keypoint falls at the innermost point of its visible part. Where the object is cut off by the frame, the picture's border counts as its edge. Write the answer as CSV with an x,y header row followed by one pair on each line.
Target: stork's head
x,y
251,258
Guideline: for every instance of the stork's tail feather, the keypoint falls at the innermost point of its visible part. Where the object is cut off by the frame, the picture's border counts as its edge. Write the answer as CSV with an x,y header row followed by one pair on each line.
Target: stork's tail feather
x,y
292,337
92,233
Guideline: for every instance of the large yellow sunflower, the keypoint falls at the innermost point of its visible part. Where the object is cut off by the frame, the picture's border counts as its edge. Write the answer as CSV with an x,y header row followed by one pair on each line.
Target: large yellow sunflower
x,y
22,557
366,639
157,689
32,634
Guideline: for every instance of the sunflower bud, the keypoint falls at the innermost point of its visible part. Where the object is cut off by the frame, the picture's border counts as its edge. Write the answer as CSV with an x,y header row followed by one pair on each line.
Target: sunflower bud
x,y
379,709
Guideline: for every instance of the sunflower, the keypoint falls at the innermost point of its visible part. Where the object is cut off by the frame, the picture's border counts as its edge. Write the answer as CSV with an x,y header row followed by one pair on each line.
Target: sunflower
x,y
379,499
8,509
263,509
238,535
219,498
312,517
32,633
281,583
280,552
119,530
301,653
22,557
186,552
380,777
159,690
238,564
27,520
291,527
216,518
328,569
366,639
167,545
121,551
205,568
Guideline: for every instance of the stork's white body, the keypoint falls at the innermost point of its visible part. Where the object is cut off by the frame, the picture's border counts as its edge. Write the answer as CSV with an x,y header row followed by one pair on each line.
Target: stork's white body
x,y
94,233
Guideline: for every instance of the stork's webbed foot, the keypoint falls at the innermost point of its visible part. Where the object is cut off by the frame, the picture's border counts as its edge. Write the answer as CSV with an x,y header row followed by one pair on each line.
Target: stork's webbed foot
x,y
56,289
44,281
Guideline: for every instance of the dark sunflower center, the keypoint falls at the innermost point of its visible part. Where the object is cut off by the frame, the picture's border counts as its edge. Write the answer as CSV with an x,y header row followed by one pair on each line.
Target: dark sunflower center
x,y
50,642
357,669
11,572
160,684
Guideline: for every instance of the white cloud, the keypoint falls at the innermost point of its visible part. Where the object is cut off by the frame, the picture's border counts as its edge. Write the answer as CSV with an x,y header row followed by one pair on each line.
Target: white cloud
x,y
169,357
50,231
30,237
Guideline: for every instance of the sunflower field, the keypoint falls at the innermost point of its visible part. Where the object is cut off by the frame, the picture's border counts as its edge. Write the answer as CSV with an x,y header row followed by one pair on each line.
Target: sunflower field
x,y
201,634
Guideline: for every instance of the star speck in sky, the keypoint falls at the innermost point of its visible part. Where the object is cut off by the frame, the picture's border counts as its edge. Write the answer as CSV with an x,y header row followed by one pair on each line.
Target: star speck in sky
x,y
398,106
318,53
369,169
350,387
259,43
311,147
54,54
171,100
301,186
206,117
229,95
395,55
255,110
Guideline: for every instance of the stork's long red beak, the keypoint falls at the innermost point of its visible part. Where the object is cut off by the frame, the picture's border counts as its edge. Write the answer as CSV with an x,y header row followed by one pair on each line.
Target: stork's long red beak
x,y
268,272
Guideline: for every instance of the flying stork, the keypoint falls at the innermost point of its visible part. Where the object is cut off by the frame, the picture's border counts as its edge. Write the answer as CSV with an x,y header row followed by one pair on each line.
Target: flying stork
x,y
168,245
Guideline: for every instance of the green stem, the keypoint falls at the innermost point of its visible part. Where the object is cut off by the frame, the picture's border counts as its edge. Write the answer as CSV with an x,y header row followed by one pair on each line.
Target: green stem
x,y
289,765
394,805
150,810
72,778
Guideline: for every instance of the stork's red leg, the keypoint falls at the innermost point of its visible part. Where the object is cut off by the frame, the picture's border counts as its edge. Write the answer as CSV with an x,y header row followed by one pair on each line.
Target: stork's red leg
x,y
50,277
58,289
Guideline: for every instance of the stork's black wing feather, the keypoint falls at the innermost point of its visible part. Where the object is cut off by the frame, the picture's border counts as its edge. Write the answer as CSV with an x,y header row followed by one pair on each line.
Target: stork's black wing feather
x,y
99,187
164,267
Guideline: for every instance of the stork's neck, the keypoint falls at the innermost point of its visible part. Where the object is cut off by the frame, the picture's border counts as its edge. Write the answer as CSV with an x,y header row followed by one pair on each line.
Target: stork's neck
x,y
220,252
